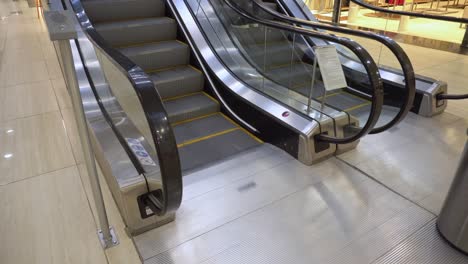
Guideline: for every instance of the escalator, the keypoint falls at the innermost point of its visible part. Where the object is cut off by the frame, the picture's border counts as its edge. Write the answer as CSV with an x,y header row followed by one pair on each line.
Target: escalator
x,y
198,95
429,94
289,61
149,39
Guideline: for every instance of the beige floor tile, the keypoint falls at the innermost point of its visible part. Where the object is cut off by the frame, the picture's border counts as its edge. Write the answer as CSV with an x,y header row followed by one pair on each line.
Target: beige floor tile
x,y
72,132
23,41
15,74
61,93
21,56
27,100
47,220
125,253
53,68
32,146
48,49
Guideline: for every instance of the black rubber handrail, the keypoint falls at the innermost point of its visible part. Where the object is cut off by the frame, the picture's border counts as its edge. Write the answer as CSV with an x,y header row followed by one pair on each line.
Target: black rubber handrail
x,y
406,13
400,54
367,61
451,96
170,197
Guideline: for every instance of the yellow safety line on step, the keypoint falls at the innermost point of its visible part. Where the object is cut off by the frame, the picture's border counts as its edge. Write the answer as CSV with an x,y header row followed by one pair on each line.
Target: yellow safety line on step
x,y
180,96
142,44
128,19
207,137
162,69
355,96
277,66
357,107
243,129
193,119
193,67
329,95
212,99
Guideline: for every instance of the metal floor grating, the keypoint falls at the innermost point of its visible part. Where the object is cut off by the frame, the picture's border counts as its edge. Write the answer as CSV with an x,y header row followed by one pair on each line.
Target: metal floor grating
x,y
328,213
424,247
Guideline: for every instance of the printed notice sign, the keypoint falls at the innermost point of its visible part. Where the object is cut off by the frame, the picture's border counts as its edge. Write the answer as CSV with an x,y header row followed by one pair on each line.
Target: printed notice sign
x,y
330,67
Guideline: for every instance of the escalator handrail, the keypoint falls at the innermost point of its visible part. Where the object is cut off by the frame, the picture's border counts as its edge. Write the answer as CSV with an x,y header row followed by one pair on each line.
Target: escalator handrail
x,y
155,113
400,54
368,63
406,13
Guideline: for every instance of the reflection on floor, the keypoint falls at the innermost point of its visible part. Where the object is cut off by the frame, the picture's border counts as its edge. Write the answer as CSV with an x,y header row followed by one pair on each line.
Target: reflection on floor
x,y
328,213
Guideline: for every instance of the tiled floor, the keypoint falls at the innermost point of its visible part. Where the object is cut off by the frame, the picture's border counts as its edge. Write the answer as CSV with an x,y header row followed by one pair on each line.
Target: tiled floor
x,y
45,199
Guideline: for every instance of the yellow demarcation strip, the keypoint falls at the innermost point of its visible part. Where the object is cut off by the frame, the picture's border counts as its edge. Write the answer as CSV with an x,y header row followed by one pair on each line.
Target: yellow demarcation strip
x,y
355,96
212,99
357,107
128,19
207,137
180,96
196,69
162,69
193,119
243,129
328,95
142,44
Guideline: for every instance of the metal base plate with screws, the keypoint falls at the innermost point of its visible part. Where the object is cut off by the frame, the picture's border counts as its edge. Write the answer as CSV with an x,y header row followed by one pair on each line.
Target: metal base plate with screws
x,y
109,244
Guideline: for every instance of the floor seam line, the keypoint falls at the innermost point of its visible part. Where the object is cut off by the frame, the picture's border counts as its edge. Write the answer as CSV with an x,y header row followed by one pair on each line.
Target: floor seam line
x,y
37,175
384,185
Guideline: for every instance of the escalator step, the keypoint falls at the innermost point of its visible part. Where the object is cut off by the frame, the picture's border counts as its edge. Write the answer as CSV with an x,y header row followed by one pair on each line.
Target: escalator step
x,y
216,148
115,10
159,55
144,30
274,54
257,35
295,75
201,127
178,81
190,106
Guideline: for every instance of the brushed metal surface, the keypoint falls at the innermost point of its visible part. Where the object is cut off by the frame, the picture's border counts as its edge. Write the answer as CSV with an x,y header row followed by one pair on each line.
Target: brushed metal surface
x,y
418,159
424,247
291,213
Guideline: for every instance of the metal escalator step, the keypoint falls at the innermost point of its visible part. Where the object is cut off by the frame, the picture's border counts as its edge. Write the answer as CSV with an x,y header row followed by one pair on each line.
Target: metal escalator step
x,y
115,10
257,35
317,91
338,99
190,106
158,55
143,30
292,75
201,127
345,101
275,54
216,148
178,81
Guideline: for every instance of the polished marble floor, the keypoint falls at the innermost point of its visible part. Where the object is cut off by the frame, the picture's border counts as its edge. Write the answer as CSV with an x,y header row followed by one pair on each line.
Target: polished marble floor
x,y
48,212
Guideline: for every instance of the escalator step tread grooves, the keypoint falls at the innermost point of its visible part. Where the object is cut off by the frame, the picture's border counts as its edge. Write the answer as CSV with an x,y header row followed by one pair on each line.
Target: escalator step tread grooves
x,y
142,32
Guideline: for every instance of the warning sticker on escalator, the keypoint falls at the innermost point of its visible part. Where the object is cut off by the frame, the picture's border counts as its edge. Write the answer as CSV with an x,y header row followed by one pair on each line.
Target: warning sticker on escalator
x,y
140,152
